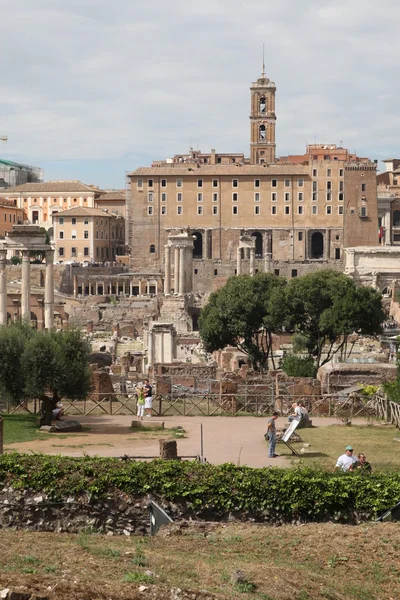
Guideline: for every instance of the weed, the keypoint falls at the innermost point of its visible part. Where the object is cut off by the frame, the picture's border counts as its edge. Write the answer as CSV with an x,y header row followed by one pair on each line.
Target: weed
x,y
245,587
50,569
29,571
136,577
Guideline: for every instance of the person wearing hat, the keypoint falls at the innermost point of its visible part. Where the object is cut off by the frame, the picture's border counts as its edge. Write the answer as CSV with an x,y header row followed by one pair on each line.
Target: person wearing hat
x,y
346,461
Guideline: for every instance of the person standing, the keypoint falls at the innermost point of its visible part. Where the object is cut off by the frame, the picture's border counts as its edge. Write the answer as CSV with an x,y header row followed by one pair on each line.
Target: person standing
x,y
148,397
347,461
271,435
140,403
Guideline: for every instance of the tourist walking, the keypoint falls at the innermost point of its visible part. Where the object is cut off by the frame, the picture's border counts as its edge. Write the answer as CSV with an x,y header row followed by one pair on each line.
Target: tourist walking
x,y
271,435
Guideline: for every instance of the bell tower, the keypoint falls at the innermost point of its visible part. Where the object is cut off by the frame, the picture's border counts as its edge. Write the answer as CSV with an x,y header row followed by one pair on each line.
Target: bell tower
x,y
262,120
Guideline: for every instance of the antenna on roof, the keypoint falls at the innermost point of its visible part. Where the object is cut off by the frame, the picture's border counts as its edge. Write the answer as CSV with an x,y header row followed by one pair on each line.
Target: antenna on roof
x,y
263,62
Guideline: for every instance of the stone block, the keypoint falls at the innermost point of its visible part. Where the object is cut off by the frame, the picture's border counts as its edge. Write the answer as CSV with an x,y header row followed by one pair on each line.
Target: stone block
x,y
168,449
48,428
68,426
147,424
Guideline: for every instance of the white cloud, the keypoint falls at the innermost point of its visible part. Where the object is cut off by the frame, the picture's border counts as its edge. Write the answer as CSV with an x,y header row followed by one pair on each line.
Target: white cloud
x,y
94,80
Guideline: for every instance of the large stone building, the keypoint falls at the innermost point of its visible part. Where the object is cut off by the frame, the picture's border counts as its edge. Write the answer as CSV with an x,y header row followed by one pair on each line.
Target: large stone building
x,y
14,174
299,211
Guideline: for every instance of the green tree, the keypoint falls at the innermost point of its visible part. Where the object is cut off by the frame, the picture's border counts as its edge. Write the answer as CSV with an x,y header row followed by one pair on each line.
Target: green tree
x,y
244,313
13,340
55,364
297,366
326,307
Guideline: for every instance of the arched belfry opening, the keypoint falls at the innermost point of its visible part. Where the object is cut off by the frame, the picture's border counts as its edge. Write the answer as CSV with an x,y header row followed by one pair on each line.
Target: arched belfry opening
x,y
317,245
263,132
258,244
197,245
263,105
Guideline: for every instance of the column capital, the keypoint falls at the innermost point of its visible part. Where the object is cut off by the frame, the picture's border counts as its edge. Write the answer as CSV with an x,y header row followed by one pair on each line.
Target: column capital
x,y
26,254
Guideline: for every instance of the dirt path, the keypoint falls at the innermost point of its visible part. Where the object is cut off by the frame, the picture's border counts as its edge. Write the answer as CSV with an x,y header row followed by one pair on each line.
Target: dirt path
x,y
239,440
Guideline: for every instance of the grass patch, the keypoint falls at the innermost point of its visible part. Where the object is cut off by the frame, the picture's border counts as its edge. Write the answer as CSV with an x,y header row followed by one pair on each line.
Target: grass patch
x,y
328,443
78,445
22,427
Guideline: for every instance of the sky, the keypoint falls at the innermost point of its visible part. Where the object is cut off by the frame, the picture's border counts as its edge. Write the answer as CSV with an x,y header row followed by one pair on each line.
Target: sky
x,y
90,89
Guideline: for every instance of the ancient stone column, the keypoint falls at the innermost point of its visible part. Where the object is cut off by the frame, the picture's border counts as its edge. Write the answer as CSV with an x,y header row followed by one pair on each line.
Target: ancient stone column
x,y
252,261
26,286
75,286
167,275
239,261
3,288
176,269
49,291
181,270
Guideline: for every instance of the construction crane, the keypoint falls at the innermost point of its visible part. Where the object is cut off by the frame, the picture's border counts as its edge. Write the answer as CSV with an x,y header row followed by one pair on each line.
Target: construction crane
x,y
3,138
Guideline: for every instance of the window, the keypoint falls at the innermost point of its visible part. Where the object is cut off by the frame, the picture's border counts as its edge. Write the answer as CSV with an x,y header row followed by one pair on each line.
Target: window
x,y
329,172
256,210
219,160
340,210
274,196
150,197
329,185
61,220
363,187
215,271
215,210
149,210
152,249
300,196
61,235
102,235
163,183
215,183
294,272
199,210
163,197
315,196
273,210
73,221
274,183
276,272
287,210
73,251
179,183
341,196
179,197
73,234
300,183
257,183
257,197
86,251
163,210
287,182
300,236
140,184
341,172
234,197
179,210
363,211
328,196
199,183
61,251
337,253
341,186
196,271
200,197
235,183
150,183
329,210
215,197
85,222
287,196
314,210
234,210
75,200
299,210
314,173
315,186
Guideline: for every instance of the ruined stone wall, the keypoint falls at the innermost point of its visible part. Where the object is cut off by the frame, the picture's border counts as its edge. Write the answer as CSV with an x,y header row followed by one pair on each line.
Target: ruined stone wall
x,y
14,273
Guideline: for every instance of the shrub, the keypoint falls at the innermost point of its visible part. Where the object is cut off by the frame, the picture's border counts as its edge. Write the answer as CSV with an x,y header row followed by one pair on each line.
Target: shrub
x,y
296,366
208,491
16,260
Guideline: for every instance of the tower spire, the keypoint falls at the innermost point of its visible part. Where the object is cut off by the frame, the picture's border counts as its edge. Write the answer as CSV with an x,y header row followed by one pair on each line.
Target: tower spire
x,y
263,62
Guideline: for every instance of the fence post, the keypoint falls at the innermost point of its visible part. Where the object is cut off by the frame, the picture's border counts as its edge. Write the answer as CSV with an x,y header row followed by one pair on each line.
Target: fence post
x,y
1,435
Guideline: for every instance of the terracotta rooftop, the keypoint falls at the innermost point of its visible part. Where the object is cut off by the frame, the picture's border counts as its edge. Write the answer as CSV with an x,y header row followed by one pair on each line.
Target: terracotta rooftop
x,y
219,170
112,195
65,187
80,211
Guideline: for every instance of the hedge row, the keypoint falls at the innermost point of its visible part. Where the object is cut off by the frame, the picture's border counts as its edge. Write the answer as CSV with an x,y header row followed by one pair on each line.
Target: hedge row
x,y
264,494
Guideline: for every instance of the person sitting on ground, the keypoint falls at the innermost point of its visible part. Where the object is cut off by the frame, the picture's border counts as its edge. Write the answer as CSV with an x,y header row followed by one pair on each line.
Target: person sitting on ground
x,y
347,461
57,412
296,415
362,464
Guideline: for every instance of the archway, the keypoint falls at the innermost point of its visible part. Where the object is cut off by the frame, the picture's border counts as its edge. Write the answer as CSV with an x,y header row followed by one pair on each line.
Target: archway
x,y
259,243
317,245
396,218
197,245
34,320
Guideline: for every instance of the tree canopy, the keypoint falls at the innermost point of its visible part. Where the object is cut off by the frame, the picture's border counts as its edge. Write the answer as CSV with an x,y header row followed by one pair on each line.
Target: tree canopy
x,y
323,309
48,365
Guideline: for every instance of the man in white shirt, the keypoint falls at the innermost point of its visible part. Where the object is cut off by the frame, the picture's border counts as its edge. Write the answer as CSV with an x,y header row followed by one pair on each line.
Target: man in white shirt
x,y
346,461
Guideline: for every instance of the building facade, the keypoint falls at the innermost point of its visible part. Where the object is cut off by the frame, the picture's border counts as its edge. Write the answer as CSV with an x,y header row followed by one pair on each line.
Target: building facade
x,y
13,174
88,235
301,211
10,215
